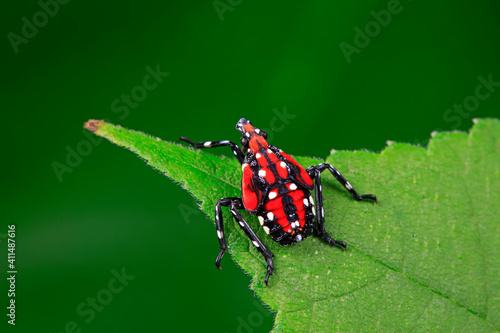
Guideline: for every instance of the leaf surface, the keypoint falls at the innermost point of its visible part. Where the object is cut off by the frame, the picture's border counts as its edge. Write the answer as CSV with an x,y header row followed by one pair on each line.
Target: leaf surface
x,y
427,257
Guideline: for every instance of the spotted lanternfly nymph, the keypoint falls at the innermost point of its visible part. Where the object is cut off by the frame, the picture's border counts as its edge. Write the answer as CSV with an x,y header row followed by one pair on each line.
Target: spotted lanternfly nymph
x,y
276,189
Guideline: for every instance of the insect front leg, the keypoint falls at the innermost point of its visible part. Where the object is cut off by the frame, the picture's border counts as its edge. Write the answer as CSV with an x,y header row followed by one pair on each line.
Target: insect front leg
x,y
212,144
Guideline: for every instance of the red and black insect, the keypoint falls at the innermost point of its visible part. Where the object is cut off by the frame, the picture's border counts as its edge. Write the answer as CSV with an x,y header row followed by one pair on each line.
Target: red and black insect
x,y
276,189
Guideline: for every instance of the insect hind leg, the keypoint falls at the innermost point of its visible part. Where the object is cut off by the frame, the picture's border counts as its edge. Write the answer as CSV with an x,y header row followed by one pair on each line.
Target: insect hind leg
x,y
341,179
234,204
320,211
315,173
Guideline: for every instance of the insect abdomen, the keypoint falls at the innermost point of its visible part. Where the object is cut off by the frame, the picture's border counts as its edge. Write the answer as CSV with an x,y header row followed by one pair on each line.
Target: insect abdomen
x,y
287,213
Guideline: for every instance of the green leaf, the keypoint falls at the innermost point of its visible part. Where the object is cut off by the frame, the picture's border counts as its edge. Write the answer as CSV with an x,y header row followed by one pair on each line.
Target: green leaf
x,y
427,257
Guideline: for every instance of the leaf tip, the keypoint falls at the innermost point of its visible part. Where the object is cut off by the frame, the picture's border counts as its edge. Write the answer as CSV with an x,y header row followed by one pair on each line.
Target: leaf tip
x,y
93,125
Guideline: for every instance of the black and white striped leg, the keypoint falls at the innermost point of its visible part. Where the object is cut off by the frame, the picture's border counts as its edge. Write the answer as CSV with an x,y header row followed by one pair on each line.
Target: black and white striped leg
x,y
212,144
320,211
315,173
312,171
220,228
234,204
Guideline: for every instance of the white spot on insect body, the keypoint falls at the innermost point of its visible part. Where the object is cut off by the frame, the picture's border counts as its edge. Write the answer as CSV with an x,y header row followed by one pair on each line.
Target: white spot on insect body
x,y
321,188
262,172
261,220
243,166
266,229
258,155
270,216
220,234
235,152
311,200
255,243
241,223
247,134
207,144
283,165
273,194
322,211
306,202
225,142
257,131
348,186
269,151
293,187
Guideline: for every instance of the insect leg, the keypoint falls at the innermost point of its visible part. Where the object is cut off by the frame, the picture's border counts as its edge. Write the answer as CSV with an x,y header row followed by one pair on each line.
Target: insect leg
x,y
212,144
320,210
341,179
234,204
219,225
268,255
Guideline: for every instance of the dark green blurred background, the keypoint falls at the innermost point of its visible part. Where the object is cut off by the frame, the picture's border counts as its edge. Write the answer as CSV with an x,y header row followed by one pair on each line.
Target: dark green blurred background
x,y
108,210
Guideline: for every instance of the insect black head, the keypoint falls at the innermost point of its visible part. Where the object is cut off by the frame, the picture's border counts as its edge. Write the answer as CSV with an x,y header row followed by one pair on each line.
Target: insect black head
x,y
242,125
246,128
253,138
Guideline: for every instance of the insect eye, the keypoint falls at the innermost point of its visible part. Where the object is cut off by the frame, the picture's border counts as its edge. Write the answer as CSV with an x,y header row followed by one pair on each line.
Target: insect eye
x,y
264,134
244,141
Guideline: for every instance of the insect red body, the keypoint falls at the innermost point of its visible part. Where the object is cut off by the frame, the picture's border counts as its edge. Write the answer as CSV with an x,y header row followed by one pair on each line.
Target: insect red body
x,y
276,189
